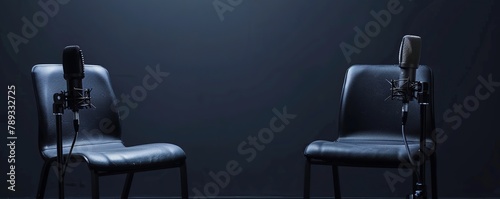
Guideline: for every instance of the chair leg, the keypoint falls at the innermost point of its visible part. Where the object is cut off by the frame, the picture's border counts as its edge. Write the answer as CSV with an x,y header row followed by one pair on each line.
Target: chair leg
x,y
336,181
127,185
434,176
42,184
414,180
184,184
307,180
95,184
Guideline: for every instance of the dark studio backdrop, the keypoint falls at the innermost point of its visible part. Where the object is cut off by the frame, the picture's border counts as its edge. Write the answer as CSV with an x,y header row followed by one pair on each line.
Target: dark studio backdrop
x,y
231,64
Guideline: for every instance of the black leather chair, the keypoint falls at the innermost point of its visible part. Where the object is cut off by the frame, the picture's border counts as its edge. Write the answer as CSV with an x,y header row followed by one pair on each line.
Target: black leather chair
x,y
370,127
99,143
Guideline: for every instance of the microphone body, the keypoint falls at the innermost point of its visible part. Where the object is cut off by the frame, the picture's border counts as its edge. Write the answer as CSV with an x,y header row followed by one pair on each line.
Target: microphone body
x,y
75,99
409,59
73,73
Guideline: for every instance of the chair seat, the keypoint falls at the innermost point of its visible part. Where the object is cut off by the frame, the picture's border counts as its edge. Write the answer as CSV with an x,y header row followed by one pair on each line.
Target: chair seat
x,y
357,152
117,157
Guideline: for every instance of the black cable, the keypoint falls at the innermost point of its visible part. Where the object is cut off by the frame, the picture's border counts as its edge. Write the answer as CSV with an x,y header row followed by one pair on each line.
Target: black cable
x,y
76,125
406,145
408,149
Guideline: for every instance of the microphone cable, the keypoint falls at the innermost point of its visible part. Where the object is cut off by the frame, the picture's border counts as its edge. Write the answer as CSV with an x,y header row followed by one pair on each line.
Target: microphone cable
x,y
403,132
76,125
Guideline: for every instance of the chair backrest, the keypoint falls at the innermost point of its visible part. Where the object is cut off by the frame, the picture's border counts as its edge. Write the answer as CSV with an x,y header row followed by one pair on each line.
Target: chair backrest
x,y
97,126
366,114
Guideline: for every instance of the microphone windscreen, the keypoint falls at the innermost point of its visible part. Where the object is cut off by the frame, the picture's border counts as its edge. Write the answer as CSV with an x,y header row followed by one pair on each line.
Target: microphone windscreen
x,y
409,51
73,62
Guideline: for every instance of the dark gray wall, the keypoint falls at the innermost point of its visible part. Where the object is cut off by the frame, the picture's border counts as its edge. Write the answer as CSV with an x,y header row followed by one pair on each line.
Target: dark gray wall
x,y
226,76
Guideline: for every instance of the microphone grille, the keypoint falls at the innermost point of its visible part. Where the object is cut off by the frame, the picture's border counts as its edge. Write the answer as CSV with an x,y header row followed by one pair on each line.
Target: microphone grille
x,y
73,61
409,51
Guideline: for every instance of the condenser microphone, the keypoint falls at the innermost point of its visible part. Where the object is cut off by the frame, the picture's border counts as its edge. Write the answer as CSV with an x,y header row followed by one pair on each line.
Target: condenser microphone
x,y
409,59
73,74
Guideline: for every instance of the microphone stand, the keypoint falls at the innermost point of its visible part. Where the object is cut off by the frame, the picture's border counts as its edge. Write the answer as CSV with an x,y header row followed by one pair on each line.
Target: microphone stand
x,y
60,103
58,109
423,98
